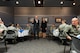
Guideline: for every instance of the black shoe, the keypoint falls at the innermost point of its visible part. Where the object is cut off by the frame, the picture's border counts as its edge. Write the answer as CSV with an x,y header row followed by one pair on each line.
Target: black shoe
x,y
37,37
65,43
34,38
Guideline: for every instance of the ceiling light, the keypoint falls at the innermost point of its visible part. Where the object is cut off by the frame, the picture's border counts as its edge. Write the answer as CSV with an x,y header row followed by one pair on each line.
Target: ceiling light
x,y
74,3
17,2
61,2
39,2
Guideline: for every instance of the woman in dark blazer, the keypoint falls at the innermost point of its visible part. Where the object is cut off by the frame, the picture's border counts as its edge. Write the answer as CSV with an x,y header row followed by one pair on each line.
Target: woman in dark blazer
x,y
43,27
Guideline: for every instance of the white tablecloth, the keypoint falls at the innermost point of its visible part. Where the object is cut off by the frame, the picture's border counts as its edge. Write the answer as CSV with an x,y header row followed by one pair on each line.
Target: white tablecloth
x,y
56,33
78,36
24,33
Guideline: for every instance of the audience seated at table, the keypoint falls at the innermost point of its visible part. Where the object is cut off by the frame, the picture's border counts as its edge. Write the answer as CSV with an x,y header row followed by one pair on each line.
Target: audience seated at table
x,y
28,27
11,27
62,25
52,28
23,32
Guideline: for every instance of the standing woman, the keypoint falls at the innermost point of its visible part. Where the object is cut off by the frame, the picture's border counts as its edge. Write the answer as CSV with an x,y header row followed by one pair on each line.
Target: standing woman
x,y
43,27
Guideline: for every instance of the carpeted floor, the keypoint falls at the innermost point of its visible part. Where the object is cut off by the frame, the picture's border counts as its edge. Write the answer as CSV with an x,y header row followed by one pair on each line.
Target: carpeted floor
x,y
35,46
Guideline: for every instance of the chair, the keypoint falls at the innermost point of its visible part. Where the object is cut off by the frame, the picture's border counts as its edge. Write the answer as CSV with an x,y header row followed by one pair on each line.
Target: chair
x,y
2,40
75,45
11,35
64,40
48,33
62,37
28,36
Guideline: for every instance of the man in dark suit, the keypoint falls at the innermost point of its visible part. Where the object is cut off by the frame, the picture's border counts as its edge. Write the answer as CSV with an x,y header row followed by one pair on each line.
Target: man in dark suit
x,y
35,23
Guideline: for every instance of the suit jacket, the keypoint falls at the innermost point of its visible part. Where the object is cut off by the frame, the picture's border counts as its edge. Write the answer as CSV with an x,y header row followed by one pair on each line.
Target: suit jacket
x,y
36,25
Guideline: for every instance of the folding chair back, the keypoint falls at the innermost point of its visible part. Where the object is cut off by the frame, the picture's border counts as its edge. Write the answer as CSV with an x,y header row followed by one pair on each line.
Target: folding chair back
x,y
75,45
3,40
11,35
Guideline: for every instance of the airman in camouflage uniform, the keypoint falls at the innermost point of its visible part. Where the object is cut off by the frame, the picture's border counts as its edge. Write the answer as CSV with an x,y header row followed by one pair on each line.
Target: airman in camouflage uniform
x,y
73,29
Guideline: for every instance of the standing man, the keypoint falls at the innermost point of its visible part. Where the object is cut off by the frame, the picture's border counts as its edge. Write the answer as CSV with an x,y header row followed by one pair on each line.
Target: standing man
x,y
35,23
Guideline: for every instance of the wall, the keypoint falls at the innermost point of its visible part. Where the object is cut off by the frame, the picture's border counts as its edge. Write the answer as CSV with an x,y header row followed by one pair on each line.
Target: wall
x,y
23,13
6,13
